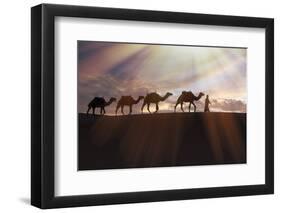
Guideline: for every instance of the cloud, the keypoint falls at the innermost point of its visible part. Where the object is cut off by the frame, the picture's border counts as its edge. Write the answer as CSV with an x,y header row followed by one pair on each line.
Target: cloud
x,y
229,105
88,49
130,66
218,105
107,69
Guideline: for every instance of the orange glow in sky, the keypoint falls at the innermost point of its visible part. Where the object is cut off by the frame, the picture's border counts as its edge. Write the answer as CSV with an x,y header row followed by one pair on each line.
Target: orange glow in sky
x,y
107,69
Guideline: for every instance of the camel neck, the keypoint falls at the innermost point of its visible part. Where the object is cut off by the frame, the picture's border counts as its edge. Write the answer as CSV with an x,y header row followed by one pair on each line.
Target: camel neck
x,y
197,98
108,103
164,97
137,101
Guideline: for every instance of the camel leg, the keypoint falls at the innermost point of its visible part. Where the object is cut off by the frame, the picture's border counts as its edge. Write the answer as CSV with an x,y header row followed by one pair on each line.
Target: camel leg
x,y
89,108
182,107
117,108
104,111
101,110
157,108
122,109
194,107
175,108
94,109
130,109
148,105
142,107
189,107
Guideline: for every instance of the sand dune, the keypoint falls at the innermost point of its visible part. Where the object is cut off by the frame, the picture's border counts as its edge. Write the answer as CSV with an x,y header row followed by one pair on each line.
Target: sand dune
x,y
160,140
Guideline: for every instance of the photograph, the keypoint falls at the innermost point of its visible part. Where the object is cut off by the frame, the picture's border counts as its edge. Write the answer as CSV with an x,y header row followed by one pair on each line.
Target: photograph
x,y
149,105
144,105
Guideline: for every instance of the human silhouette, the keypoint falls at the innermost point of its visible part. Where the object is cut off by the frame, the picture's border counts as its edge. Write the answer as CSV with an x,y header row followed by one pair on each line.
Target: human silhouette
x,y
154,98
207,103
127,101
187,96
99,102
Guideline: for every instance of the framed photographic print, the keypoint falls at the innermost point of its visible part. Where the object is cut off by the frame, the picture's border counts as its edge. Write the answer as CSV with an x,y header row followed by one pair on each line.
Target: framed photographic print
x,y
140,106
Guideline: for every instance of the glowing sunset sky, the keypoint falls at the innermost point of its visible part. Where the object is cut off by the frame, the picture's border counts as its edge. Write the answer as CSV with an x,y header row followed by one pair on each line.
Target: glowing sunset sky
x,y
108,70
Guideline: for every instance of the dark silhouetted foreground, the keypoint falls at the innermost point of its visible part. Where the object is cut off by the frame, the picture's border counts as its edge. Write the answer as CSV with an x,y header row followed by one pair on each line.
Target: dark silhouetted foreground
x,y
158,140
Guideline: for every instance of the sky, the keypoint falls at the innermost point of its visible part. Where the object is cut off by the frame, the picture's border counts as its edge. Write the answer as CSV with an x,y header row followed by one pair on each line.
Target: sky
x,y
108,69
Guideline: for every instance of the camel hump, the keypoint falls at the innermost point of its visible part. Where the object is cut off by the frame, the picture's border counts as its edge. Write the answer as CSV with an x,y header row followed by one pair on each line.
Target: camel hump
x,y
97,101
186,92
152,93
152,96
99,98
126,98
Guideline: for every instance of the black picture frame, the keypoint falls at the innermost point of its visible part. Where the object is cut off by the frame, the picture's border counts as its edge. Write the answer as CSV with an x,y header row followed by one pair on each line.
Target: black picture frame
x,y
43,117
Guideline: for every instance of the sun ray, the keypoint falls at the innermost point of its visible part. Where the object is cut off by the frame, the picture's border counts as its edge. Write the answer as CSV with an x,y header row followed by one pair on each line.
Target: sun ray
x,y
112,69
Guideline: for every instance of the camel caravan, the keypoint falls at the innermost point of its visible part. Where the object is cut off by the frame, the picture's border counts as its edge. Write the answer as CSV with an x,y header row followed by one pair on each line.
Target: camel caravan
x,y
150,98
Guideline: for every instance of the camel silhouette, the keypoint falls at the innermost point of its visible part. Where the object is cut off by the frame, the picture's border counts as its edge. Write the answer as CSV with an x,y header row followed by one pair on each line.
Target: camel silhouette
x,y
127,101
188,96
99,102
154,98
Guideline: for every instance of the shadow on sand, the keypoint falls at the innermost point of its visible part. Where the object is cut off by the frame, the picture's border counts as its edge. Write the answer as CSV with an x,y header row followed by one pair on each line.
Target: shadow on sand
x,y
161,140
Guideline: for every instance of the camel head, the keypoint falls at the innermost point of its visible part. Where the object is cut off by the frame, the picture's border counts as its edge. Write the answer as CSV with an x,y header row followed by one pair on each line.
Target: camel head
x,y
200,95
168,94
138,100
112,100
